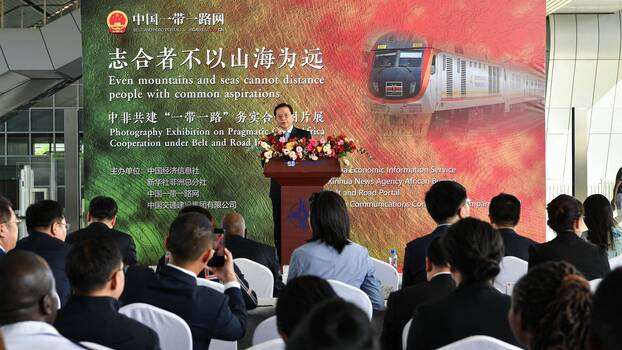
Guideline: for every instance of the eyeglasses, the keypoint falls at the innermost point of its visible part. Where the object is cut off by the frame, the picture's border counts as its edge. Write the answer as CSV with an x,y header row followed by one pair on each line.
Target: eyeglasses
x,y
17,221
67,226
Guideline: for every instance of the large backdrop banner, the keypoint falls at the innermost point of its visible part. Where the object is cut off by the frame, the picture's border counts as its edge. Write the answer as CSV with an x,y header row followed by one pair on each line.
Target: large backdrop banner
x,y
177,94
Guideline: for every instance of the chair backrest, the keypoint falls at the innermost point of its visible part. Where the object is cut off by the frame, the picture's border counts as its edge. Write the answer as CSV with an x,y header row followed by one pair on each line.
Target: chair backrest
x,y
387,275
615,262
274,344
259,277
94,346
512,269
217,344
172,330
594,284
266,331
405,332
479,342
211,284
353,295
55,295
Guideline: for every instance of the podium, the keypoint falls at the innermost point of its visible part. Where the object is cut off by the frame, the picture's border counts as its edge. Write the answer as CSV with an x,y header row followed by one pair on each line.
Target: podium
x,y
298,181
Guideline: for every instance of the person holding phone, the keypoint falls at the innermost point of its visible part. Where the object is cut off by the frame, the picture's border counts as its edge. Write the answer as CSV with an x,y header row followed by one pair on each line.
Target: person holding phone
x,y
209,313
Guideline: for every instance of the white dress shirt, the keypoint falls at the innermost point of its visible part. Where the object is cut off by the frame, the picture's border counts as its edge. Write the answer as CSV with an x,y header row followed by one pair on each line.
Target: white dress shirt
x,y
28,335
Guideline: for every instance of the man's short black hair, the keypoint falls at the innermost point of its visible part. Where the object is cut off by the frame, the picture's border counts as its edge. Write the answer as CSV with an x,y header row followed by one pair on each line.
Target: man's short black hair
x,y
190,235
200,210
606,317
43,214
103,208
504,210
280,105
444,199
90,263
5,210
436,255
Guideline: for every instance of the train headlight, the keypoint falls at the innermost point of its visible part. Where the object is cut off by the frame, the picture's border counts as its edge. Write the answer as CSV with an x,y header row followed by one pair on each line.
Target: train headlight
x,y
375,86
413,87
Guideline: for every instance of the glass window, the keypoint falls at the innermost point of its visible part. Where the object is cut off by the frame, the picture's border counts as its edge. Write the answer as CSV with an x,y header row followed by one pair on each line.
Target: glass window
x,y
45,102
59,115
41,119
41,144
1,145
67,97
80,119
2,126
17,160
59,145
18,121
81,96
384,59
17,145
410,58
41,170
60,196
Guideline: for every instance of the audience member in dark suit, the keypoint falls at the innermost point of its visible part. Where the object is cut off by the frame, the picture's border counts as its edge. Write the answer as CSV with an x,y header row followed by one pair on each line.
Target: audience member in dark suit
x,y
551,308
606,317
241,247
95,270
334,324
28,304
402,303
8,226
446,202
504,213
565,214
250,298
47,230
283,115
209,313
297,299
474,250
102,217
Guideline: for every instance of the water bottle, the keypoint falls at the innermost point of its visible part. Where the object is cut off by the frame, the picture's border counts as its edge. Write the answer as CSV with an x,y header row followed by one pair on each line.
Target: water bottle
x,y
393,258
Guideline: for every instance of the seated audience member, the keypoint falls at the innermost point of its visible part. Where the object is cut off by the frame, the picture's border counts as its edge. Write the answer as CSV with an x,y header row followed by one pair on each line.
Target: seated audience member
x,y
330,254
402,303
209,313
551,308
94,267
250,298
102,218
297,299
8,226
474,250
28,304
606,317
334,324
565,214
446,202
504,213
47,229
601,227
241,247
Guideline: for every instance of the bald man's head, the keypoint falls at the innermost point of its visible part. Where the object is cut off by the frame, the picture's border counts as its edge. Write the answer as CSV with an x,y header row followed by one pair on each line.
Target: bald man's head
x,y
26,289
233,223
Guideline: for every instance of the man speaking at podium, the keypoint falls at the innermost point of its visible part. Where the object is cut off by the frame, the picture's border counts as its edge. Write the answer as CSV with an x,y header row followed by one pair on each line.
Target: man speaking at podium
x,y
283,114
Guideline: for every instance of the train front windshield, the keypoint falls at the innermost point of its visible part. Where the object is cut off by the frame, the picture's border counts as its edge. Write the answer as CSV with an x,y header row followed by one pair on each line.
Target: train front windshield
x,y
396,73
406,58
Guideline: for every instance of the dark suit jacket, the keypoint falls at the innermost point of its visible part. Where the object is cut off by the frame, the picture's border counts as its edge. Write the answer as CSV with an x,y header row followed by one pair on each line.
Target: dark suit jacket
x,y
250,298
124,241
414,257
586,257
275,188
265,255
209,313
515,244
96,319
402,304
53,251
471,309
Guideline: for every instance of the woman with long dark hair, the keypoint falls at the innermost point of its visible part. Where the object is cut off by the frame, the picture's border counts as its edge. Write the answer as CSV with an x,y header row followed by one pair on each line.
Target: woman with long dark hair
x,y
601,227
330,254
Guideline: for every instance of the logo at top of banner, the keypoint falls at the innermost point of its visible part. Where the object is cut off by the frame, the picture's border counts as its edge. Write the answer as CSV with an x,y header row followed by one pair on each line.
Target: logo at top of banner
x,y
117,22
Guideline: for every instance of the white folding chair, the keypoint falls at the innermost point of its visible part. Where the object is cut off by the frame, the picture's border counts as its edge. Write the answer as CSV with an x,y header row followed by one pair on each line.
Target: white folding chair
x,y
211,284
479,342
172,330
615,262
405,332
266,331
353,295
274,344
387,275
512,269
94,346
594,284
259,277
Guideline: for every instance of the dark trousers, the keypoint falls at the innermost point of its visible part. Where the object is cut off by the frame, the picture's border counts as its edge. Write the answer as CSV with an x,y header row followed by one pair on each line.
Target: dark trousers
x,y
276,219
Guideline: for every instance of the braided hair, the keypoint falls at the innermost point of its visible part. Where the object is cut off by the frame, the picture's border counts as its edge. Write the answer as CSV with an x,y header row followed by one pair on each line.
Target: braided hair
x,y
554,301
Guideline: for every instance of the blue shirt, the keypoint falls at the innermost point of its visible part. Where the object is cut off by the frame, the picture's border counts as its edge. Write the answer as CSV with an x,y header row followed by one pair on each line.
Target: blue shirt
x,y
616,248
353,266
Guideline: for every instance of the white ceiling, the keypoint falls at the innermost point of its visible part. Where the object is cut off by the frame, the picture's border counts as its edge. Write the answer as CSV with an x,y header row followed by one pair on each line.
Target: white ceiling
x,y
583,6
